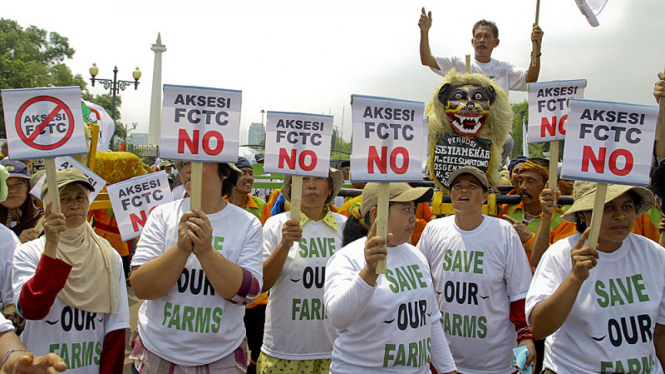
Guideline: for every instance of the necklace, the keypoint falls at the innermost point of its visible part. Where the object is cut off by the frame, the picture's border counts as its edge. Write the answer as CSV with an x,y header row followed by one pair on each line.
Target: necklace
x,y
528,217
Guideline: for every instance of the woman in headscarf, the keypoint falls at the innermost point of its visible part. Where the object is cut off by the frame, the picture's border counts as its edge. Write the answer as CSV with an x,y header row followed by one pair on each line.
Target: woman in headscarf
x,y
197,269
69,287
602,309
18,212
298,336
389,323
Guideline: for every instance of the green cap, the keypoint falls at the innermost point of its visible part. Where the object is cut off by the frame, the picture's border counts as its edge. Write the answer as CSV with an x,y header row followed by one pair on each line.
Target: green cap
x,y
65,177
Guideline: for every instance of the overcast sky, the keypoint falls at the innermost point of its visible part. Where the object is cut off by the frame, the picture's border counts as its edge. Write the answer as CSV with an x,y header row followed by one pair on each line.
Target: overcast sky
x,y
310,56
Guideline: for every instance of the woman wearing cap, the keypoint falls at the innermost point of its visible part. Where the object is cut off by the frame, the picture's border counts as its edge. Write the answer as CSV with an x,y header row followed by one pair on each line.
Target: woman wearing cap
x,y
196,269
18,212
69,285
389,323
603,309
298,336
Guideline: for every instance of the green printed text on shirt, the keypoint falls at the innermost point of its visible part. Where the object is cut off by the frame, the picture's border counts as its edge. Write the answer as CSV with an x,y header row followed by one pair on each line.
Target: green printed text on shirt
x,y
78,355
632,365
316,247
192,319
621,291
414,354
463,261
405,278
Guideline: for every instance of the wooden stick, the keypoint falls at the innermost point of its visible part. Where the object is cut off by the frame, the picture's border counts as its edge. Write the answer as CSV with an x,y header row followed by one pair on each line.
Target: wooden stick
x,y
535,47
662,238
597,215
659,149
52,183
196,184
468,64
296,197
94,138
382,220
554,165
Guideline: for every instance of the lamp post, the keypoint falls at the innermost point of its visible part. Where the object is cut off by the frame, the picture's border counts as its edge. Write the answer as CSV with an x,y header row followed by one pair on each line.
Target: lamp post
x,y
127,131
114,85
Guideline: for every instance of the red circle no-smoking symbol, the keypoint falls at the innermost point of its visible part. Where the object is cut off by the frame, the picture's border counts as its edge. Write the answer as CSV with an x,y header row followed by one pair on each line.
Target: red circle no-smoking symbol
x,y
41,130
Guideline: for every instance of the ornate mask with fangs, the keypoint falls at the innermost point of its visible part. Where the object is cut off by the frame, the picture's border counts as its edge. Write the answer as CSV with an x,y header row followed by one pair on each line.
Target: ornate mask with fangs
x,y
467,107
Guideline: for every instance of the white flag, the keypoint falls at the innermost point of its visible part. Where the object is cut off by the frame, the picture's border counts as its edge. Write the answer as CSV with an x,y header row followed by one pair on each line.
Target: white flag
x,y
590,9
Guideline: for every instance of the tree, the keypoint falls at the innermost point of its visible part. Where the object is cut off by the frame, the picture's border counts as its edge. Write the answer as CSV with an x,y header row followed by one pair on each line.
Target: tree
x,y
32,57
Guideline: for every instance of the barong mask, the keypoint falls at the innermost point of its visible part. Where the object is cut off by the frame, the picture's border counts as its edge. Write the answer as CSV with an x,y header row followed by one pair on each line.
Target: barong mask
x,y
467,107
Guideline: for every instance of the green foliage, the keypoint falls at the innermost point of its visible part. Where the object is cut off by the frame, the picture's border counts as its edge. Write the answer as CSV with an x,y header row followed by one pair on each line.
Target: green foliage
x,y
32,57
520,113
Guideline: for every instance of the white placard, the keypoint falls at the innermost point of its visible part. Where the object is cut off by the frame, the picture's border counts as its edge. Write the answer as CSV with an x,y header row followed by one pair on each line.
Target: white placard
x,y
200,124
135,198
44,122
609,142
63,163
387,140
298,144
548,108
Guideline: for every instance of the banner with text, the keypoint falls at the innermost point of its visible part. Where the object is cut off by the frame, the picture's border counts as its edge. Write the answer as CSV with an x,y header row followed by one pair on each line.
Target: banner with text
x,y
609,142
298,143
549,104
135,198
44,122
387,139
63,163
200,124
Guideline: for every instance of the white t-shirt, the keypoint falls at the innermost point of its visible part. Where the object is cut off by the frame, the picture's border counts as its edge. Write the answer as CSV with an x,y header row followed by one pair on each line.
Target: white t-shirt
x,y
5,324
477,274
393,332
506,75
178,192
192,325
610,327
297,327
75,335
8,244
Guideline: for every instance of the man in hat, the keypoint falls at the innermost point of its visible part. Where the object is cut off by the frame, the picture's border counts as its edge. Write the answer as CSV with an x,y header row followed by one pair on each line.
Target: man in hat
x,y
480,284
167,166
527,215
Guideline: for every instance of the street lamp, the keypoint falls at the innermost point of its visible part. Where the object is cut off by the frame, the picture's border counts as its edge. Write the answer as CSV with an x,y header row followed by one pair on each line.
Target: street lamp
x,y
114,85
134,124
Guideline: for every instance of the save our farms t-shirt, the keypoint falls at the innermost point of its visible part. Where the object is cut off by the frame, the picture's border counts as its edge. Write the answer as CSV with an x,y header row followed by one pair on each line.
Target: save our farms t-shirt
x,y
193,325
296,326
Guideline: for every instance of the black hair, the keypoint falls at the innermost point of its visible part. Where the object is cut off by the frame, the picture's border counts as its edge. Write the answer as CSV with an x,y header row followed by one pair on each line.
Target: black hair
x,y
637,201
354,229
224,170
484,22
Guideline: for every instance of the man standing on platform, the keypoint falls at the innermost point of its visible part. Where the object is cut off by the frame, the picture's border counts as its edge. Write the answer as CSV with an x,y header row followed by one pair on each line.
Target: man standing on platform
x,y
485,39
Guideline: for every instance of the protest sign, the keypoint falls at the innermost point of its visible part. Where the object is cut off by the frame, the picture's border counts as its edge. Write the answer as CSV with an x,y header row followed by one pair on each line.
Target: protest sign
x,y
63,163
548,108
387,147
549,103
134,199
298,143
609,142
44,123
387,139
200,124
